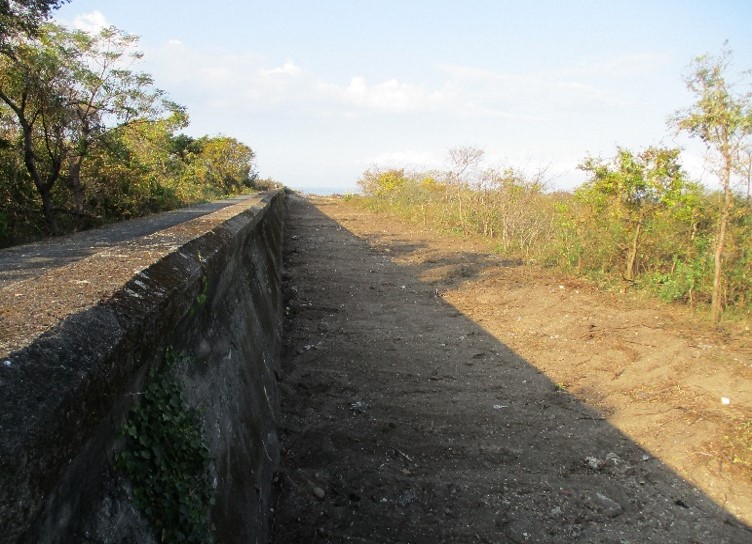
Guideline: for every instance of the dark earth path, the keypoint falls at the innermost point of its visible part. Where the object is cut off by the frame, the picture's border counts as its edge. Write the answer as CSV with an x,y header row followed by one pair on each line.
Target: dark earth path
x,y
405,421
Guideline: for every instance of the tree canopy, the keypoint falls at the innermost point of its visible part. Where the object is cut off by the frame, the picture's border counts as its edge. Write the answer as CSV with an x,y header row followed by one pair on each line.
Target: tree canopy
x,y
722,118
85,137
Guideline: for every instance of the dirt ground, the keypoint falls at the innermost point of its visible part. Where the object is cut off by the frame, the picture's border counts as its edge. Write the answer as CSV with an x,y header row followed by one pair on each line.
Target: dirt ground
x,y
433,391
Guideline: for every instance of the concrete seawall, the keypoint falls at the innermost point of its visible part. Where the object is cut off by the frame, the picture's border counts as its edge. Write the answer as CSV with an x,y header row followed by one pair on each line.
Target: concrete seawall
x,y
65,396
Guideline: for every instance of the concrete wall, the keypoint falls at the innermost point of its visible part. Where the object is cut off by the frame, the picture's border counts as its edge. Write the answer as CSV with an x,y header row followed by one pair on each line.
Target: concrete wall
x,y
69,392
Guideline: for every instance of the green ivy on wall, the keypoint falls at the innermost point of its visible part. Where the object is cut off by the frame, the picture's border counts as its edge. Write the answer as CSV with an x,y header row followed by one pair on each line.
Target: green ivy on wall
x,y
167,460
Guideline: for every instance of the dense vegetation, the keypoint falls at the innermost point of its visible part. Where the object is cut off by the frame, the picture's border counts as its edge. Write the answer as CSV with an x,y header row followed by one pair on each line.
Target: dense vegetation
x,y
85,138
638,220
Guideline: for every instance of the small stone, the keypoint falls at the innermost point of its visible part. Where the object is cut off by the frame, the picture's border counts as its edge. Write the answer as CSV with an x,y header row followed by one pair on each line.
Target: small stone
x,y
610,507
594,463
359,407
319,493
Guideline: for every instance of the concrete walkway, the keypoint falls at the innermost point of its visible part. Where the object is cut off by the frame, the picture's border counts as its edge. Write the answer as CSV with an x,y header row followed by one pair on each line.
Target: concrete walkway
x,y
29,260
42,284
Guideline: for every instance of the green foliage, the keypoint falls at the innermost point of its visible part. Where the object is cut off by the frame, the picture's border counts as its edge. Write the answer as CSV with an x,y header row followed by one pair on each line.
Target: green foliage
x,y
722,118
381,183
202,297
637,222
66,90
222,163
686,282
625,199
86,139
167,460
23,17
266,184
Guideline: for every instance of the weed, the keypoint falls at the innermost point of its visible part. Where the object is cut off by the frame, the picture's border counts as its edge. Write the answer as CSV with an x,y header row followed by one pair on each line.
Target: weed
x,y
167,460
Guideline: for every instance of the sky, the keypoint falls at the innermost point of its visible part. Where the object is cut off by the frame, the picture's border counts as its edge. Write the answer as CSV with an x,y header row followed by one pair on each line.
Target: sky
x,y
324,90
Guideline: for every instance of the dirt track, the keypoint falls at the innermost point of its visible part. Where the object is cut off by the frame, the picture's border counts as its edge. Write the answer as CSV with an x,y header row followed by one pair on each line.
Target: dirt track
x,y
433,392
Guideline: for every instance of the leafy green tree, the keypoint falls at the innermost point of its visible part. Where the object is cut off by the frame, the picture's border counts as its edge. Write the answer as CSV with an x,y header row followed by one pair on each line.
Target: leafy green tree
x,y
18,204
223,163
68,90
136,170
722,119
105,95
31,85
382,183
22,17
629,191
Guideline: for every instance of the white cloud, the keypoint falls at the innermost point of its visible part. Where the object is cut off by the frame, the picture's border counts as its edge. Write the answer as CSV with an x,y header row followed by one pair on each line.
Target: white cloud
x,y
289,68
391,96
250,90
90,22
247,82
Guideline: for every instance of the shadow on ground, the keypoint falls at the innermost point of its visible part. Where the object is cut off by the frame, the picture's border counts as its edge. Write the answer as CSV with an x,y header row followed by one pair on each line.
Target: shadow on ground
x,y
404,421
449,271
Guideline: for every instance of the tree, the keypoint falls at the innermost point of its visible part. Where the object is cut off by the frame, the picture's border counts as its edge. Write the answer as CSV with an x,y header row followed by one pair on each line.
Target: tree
x,y
223,163
137,169
630,190
744,170
31,83
23,17
508,206
105,95
464,162
722,119
382,183
67,91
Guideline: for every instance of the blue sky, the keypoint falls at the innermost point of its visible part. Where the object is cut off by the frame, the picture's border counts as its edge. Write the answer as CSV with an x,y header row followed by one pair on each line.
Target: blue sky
x,y
323,90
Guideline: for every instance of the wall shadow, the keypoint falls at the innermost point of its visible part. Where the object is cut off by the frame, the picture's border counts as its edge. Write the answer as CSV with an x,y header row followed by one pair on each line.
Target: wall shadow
x,y
405,421
449,271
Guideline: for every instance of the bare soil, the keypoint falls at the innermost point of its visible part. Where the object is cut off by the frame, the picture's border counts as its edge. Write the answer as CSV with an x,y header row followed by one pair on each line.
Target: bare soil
x,y
433,391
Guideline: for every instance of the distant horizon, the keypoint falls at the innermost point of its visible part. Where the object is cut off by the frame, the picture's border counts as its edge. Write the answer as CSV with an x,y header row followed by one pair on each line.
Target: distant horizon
x,y
323,91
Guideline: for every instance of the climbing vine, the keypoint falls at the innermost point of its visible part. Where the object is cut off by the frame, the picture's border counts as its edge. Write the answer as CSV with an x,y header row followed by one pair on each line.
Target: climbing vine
x,y
167,460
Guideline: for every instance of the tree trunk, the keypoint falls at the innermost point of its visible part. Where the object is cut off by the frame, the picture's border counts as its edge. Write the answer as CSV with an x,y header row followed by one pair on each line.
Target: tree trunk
x,y
43,187
632,253
75,185
716,307
50,217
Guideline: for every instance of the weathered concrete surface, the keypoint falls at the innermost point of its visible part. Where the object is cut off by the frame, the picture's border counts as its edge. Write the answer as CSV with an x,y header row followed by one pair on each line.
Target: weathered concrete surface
x,y
64,397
